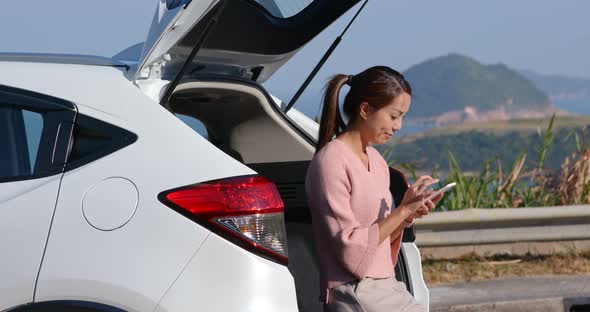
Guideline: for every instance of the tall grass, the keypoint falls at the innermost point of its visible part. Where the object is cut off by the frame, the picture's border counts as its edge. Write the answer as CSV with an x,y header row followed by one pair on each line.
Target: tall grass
x,y
527,184
573,183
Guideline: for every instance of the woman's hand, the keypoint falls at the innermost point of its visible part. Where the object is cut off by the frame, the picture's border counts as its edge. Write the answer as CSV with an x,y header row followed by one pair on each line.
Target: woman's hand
x,y
428,206
414,197
412,203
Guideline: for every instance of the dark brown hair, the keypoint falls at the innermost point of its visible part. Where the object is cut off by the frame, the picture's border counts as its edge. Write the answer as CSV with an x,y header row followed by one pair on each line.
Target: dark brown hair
x,y
377,85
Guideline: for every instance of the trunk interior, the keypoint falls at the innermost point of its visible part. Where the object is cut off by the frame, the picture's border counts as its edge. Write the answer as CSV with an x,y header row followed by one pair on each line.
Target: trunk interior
x,y
241,120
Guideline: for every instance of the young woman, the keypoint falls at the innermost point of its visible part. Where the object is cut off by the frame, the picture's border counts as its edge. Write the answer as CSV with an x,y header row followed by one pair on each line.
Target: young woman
x,y
357,231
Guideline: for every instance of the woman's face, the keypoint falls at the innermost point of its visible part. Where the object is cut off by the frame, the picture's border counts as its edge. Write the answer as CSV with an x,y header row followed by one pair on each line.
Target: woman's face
x,y
380,124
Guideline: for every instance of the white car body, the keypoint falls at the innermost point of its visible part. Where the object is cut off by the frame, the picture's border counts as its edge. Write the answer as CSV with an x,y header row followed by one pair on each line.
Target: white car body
x,y
98,237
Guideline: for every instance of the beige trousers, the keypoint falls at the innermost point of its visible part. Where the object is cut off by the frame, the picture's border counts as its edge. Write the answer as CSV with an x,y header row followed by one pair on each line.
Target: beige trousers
x,y
372,295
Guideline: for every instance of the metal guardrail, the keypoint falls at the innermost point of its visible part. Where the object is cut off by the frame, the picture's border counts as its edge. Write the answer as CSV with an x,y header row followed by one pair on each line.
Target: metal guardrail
x,y
503,225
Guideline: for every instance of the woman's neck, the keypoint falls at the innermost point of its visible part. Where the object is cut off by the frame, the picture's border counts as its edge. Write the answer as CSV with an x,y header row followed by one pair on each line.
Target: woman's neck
x,y
354,139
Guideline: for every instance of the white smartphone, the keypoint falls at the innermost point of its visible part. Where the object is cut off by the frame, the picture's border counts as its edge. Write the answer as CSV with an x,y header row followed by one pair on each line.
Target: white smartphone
x,y
441,190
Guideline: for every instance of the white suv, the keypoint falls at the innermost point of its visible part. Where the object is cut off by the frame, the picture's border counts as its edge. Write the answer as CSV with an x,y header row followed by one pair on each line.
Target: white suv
x,y
110,202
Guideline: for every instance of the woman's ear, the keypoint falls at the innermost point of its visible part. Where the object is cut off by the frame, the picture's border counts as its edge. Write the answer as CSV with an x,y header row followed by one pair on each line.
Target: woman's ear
x,y
364,110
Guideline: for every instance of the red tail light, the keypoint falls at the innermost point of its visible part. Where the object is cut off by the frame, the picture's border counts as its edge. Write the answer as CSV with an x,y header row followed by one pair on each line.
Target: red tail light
x,y
247,211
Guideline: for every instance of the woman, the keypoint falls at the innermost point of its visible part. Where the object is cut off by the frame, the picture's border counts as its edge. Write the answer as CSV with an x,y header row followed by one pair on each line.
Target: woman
x,y
357,233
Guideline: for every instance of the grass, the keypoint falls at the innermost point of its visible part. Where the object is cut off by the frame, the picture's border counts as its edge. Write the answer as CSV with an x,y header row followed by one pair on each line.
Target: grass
x,y
475,268
528,183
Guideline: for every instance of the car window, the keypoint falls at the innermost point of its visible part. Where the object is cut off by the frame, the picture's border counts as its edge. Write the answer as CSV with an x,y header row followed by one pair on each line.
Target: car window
x,y
94,139
33,128
284,8
35,132
20,137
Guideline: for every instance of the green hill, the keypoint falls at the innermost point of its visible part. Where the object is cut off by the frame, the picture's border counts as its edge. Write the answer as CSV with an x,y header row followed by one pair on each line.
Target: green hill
x,y
474,144
452,82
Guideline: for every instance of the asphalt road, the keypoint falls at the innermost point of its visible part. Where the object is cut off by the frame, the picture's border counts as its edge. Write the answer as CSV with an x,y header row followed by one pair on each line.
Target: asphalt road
x,y
553,293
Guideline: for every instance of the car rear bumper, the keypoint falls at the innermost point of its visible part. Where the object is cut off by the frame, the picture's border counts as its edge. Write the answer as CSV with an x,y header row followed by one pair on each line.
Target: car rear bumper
x,y
224,277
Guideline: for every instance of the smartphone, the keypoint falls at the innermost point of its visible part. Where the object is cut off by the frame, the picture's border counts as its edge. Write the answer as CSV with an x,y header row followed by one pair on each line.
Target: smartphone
x,y
441,190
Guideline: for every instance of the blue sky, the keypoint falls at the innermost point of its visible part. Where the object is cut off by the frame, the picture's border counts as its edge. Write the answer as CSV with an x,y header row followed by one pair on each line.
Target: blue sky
x,y
550,37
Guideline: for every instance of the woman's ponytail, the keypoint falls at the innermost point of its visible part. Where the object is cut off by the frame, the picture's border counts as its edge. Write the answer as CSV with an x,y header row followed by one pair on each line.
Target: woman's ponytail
x,y
328,124
377,86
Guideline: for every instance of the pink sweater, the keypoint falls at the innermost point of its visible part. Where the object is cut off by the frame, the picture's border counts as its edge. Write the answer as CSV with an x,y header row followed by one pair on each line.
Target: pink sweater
x,y
346,202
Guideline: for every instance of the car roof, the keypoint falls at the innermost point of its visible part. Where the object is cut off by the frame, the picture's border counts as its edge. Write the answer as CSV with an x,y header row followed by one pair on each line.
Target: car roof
x,y
80,59
90,82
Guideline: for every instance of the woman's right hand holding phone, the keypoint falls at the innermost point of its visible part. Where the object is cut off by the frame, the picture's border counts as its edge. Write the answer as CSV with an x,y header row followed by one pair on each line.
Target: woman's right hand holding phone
x,y
414,204
415,199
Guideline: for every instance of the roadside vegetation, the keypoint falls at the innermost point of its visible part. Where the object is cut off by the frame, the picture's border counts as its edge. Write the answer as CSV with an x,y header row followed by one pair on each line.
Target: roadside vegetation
x,y
474,143
528,182
476,268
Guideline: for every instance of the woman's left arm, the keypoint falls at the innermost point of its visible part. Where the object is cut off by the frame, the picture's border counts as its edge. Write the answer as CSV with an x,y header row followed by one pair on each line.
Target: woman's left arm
x,y
399,231
430,204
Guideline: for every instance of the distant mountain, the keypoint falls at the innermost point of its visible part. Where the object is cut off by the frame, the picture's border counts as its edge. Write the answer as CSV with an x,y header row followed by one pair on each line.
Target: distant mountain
x,y
568,93
464,88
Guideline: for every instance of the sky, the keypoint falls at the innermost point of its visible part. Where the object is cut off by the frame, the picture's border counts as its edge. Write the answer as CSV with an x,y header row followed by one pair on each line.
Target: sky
x,y
548,37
